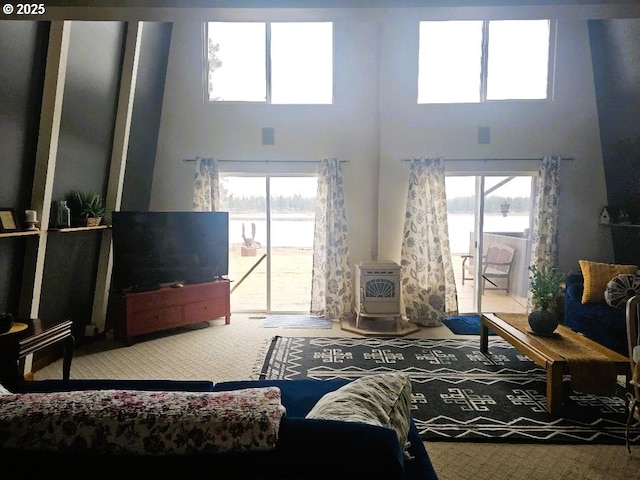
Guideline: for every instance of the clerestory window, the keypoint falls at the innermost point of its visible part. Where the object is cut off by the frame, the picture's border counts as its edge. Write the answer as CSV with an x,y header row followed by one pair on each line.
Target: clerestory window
x,y
270,62
476,61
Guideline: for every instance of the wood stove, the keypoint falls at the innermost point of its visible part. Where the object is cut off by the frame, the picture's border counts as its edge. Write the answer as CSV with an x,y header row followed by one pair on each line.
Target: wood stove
x,y
377,290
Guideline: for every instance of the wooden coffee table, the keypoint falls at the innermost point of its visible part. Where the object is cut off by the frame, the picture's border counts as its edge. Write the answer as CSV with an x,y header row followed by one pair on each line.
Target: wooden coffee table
x,y
543,354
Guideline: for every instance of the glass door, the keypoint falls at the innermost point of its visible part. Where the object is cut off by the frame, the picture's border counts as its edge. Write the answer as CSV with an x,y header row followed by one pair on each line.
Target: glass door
x,y
506,245
271,224
492,215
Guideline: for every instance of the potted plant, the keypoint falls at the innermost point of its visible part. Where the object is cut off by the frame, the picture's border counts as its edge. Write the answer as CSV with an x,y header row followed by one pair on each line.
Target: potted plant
x,y
87,208
545,287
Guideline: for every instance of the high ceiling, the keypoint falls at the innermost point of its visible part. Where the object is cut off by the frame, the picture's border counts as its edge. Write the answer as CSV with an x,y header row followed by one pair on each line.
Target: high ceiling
x,y
229,10
327,3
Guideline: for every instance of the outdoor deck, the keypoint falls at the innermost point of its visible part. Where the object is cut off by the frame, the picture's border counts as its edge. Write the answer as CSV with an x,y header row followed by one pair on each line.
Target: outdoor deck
x,y
291,287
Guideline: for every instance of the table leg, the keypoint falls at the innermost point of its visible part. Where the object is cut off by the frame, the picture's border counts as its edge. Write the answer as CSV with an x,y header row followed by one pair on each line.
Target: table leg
x,y
69,345
554,388
484,336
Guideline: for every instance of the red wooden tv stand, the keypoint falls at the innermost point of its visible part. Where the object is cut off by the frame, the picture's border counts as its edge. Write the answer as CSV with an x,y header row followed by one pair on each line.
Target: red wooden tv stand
x,y
138,313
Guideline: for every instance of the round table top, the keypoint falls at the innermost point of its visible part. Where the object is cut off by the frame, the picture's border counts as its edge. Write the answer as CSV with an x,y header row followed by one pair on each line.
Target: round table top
x,y
16,327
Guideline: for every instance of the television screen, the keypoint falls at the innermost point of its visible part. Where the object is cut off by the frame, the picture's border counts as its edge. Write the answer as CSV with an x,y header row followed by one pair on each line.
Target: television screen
x,y
152,249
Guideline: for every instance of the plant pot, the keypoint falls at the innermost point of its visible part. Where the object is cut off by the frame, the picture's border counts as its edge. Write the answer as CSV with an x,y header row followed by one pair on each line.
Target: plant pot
x,y
93,221
543,321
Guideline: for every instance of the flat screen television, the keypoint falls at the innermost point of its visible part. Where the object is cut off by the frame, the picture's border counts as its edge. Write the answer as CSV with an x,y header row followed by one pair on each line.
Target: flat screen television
x,y
154,249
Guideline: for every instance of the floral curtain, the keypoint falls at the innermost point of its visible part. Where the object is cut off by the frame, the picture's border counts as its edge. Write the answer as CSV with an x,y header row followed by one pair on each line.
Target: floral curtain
x,y
206,186
426,269
331,289
544,238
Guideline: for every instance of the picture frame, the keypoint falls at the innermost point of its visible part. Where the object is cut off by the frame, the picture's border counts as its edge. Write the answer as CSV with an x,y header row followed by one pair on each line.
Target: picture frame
x,y
8,222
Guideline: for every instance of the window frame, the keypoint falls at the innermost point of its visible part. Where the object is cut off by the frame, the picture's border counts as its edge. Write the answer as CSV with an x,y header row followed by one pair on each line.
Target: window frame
x,y
268,65
551,64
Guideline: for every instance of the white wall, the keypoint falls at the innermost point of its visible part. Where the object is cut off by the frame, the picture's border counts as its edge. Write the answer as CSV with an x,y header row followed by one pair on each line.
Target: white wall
x,y
568,126
375,122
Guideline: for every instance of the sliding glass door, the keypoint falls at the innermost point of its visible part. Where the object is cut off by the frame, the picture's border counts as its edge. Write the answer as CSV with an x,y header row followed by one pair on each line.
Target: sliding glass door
x,y
490,214
271,224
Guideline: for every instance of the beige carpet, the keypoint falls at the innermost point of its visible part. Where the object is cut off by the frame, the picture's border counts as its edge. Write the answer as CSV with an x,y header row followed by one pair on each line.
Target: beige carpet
x,y
222,352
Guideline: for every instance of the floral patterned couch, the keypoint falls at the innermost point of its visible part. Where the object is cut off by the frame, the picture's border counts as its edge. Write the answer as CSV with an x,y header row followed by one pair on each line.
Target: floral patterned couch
x,y
248,429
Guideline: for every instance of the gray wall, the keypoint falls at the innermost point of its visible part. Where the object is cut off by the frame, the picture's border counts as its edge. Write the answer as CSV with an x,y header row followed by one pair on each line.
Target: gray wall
x,y
616,65
84,150
145,119
84,153
22,60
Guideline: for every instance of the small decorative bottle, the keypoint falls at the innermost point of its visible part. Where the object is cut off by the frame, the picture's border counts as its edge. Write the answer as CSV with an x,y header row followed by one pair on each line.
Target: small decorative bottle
x,y
64,215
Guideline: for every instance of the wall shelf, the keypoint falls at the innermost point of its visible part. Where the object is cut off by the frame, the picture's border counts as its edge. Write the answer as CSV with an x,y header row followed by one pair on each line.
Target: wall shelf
x,y
20,233
25,233
627,225
78,229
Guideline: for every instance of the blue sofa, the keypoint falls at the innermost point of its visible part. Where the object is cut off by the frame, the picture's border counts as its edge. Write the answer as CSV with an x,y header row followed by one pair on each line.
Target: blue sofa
x,y
600,322
305,449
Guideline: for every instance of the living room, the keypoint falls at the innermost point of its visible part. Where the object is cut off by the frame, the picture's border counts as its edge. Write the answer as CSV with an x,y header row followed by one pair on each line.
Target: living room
x,y
373,123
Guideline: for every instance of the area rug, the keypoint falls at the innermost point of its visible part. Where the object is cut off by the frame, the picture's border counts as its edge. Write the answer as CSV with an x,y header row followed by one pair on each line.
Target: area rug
x,y
296,321
460,394
464,324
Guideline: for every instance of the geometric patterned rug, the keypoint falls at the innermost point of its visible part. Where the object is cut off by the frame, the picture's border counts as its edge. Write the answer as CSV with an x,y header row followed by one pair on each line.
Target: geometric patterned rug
x,y
458,393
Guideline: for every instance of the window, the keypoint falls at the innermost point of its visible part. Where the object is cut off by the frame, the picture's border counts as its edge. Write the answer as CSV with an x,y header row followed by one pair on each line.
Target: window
x,y
476,61
274,62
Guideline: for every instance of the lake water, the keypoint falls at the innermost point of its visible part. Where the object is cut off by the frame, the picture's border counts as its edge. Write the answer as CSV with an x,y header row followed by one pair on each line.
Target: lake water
x,y
297,231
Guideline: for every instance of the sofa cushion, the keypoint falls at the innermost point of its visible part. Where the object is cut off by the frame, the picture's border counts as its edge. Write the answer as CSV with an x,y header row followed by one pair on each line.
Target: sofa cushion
x,y
142,422
621,288
381,399
3,390
596,277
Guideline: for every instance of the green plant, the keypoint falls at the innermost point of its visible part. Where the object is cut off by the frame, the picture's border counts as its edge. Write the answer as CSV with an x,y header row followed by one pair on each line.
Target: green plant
x,y
545,286
86,204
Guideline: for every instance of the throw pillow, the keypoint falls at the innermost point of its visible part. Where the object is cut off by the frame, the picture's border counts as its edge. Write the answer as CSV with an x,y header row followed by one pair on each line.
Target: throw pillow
x,y
383,399
597,275
621,288
142,422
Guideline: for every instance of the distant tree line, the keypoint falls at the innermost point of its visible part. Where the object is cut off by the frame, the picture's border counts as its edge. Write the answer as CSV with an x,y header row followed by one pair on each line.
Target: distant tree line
x,y
295,204
491,204
298,204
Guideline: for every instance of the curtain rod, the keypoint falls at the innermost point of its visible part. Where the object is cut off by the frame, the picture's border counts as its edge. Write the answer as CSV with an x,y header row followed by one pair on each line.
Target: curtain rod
x,y
264,161
491,159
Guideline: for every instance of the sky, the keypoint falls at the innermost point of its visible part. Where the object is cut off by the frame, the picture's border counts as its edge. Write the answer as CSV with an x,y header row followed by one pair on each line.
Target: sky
x,y
457,186
465,186
285,186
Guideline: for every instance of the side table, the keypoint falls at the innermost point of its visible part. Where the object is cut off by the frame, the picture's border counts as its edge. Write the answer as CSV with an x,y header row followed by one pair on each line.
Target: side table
x,y
38,334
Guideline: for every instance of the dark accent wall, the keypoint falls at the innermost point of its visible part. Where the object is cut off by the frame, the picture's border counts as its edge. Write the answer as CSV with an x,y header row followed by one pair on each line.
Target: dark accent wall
x,y
89,109
23,47
84,153
615,50
145,120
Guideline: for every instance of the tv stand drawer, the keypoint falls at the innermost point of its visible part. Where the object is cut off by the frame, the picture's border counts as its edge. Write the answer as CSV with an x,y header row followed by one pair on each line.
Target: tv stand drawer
x,y
152,320
138,313
202,311
162,298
